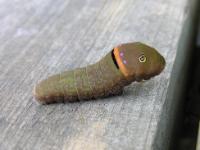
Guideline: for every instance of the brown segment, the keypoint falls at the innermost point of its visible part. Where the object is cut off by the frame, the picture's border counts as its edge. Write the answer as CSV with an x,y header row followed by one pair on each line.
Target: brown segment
x,y
67,82
108,74
55,88
49,90
95,81
107,79
112,74
138,61
82,85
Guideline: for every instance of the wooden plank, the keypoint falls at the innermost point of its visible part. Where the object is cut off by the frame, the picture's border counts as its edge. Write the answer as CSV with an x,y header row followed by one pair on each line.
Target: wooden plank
x,y
43,37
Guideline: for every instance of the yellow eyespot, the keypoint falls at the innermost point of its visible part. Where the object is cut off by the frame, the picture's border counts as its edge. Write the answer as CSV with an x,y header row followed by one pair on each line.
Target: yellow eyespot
x,y
142,58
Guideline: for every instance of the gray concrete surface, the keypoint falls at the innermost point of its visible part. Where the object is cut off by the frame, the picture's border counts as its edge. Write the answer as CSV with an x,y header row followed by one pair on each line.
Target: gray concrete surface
x,y
42,37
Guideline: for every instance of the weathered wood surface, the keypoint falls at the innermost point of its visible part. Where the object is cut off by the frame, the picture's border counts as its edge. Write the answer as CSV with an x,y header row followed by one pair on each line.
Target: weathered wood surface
x,y
43,37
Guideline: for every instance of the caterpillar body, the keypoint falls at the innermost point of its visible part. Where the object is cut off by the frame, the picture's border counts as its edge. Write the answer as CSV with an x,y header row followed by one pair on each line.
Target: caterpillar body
x,y
120,67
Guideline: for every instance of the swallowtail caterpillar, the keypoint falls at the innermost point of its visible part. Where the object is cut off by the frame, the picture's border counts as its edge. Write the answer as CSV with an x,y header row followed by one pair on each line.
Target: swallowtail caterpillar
x,y
120,67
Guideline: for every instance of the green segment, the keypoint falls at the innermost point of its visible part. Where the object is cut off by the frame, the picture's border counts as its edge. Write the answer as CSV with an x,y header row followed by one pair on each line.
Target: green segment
x,y
82,85
67,84
54,87
94,79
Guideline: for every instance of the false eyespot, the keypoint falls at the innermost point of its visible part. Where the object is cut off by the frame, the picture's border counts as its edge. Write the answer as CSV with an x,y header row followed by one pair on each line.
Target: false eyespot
x,y
142,58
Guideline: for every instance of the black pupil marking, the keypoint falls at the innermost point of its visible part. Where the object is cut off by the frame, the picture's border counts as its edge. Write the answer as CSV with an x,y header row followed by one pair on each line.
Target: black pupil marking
x,y
114,59
142,58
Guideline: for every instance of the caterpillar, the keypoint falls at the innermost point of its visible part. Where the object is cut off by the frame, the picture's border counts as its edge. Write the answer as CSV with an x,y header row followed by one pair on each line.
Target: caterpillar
x,y
120,67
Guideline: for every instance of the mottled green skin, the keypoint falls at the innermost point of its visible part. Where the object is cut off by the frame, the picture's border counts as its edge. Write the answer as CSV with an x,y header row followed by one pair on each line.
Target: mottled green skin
x,y
101,79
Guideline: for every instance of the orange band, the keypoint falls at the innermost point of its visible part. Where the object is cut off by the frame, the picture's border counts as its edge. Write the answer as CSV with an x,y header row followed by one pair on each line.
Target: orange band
x,y
122,67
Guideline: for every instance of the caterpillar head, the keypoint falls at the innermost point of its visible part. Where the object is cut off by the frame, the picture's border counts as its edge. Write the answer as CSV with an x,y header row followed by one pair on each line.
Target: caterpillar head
x,y
138,61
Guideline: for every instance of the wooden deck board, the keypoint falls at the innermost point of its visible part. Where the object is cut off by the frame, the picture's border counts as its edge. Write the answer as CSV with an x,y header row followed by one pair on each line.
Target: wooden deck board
x,y
42,37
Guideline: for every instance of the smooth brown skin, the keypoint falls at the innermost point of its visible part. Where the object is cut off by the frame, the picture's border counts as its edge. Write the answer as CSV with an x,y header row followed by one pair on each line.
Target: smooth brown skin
x,y
120,67
130,64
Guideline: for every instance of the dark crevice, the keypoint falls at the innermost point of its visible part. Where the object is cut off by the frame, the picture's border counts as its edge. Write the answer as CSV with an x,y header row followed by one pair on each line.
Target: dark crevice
x,y
189,123
114,59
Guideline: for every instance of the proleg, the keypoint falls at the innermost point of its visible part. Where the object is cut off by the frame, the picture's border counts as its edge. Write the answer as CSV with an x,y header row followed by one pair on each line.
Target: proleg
x,y
120,67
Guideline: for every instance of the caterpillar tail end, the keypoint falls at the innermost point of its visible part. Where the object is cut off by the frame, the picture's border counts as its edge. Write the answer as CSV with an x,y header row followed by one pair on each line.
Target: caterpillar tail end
x,y
41,98
37,97
43,94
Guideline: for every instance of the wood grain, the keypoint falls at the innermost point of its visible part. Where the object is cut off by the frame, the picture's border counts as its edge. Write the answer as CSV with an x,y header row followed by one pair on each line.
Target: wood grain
x,y
42,37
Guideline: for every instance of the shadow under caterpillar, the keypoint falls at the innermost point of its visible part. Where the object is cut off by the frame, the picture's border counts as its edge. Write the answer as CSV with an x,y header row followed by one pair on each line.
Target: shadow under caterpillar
x,y
120,67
